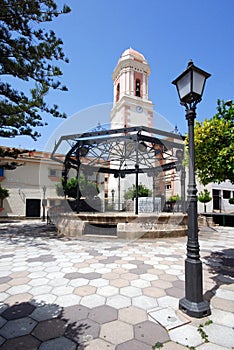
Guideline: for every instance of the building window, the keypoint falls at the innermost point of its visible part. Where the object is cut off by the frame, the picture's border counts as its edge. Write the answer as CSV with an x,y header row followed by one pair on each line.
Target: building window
x,y
52,172
1,171
168,186
138,88
226,194
117,92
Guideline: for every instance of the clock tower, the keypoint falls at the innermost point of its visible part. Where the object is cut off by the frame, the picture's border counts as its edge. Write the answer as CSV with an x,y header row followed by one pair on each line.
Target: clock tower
x,y
132,106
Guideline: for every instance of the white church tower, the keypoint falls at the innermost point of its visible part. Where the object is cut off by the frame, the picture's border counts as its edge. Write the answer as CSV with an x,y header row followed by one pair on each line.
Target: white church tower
x,y
132,106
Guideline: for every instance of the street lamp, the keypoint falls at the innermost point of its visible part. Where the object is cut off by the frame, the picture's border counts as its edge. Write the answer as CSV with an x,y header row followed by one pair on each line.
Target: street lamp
x,y
190,86
113,198
43,203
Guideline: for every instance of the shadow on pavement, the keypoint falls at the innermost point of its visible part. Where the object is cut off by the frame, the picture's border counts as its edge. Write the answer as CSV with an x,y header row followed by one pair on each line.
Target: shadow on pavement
x,y
221,266
33,325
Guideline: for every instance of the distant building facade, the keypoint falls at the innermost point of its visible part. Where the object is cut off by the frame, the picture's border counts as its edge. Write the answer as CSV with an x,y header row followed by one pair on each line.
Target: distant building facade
x,y
30,185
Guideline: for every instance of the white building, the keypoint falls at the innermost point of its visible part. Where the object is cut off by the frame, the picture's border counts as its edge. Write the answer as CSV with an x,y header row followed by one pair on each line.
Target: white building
x,y
30,185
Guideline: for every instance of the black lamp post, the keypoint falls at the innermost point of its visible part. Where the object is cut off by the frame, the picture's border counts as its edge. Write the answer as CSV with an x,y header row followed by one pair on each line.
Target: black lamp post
x,y
181,168
43,203
113,198
190,86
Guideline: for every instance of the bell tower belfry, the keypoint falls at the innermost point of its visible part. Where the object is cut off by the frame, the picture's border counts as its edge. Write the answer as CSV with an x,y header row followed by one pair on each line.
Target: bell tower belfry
x,y
132,106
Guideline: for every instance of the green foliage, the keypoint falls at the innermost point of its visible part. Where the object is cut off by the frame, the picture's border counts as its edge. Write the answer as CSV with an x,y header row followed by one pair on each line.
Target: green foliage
x,y
204,197
143,191
157,345
27,55
231,200
4,193
87,188
174,198
214,145
202,332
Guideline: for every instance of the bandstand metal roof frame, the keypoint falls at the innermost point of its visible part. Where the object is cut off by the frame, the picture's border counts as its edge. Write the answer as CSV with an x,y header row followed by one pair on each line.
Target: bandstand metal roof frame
x,y
123,147
122,151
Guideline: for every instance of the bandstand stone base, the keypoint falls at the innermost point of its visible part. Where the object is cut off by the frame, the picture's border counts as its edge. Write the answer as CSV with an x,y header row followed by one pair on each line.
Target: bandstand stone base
x,y
122,225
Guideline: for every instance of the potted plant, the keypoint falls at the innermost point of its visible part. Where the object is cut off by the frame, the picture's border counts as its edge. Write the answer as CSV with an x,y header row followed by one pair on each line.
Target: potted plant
x,y
172,200
204,197
4,193
231,200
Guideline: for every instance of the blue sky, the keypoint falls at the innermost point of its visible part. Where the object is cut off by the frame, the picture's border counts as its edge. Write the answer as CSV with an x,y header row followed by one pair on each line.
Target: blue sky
x,y
167,32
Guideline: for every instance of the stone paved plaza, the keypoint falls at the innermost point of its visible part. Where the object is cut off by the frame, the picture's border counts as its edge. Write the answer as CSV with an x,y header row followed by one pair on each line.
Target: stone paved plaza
x,y
105,293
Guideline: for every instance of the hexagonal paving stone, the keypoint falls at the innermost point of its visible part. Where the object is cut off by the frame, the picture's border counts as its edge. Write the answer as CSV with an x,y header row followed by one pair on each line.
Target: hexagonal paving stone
x,y
103,314
129,276
99,282
84,290
68,300
154,292
85,270
40,290
38,274
92,300
38,281
1,340
168,301
132,315
161,284
62,290
60,343
97,265
5,279
46,298
116,332
107,291
186,335
19,274
144,302
4,287
21,343
170,278
133,344
119,283
57,282
17,327
49,329
19,281
18,311
111,276
129,266
118,301
73,275
78,282
175,292
18,298
2,322
46,312
18,289
92,275
130,291
179,284
99,344
150,333
149,277
83,331
54,275
140,283
75,313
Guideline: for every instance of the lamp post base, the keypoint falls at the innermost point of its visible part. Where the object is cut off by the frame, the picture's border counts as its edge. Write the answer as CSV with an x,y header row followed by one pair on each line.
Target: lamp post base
x,y
198,310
